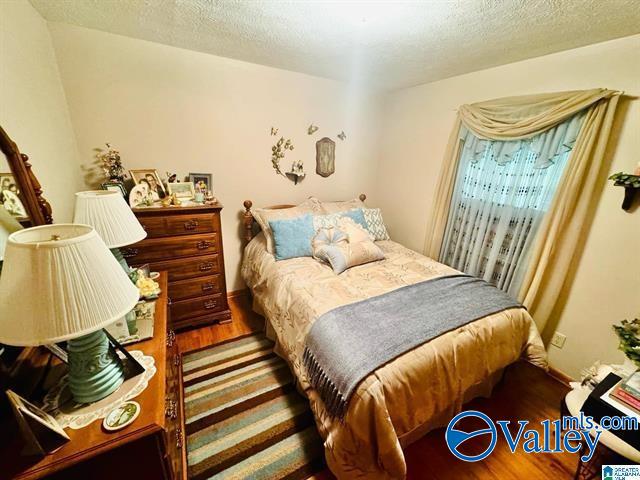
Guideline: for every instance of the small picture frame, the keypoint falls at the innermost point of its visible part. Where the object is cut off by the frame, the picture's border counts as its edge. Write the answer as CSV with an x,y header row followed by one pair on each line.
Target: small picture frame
x,y
59,351
40,431
202,182
9,196
140,196
150,178
183,191
115,187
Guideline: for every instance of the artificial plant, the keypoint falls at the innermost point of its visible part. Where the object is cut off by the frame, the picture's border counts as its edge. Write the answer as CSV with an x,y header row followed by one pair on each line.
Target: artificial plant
x,y
629,336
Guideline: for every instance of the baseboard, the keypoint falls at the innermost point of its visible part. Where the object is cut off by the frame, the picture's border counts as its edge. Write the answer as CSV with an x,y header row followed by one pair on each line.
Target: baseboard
x,y
560,376
238,293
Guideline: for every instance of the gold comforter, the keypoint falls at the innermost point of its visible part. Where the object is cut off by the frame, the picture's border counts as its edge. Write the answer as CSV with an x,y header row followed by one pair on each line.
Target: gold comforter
x,y
405,398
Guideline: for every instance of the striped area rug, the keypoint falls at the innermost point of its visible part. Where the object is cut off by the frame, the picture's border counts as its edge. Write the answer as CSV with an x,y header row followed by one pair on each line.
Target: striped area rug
x,y
244,417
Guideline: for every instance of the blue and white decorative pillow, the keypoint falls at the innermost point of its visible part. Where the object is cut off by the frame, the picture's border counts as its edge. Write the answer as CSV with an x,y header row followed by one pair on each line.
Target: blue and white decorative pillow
x,y
331,246
375,224
333,219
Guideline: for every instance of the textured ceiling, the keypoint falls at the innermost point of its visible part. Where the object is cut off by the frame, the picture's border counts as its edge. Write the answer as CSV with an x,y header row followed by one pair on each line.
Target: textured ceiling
x,y
381,44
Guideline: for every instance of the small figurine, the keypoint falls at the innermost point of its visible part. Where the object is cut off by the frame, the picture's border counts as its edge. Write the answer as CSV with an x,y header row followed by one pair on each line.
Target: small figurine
x,y
342,135
312,129
274,131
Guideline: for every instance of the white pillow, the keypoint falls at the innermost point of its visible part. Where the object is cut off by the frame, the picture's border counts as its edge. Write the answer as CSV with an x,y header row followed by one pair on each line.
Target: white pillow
x,y
336,207
355,232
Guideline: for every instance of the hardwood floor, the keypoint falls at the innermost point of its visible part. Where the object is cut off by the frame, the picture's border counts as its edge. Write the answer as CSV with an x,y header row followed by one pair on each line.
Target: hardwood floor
x,y
525,393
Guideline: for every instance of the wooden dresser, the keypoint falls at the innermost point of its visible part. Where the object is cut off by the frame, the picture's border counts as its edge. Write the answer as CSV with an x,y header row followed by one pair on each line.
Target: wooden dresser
x,y
152,447
187,243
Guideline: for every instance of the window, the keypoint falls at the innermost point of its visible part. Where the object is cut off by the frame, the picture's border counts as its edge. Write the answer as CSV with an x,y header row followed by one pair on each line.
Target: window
x,y
502,191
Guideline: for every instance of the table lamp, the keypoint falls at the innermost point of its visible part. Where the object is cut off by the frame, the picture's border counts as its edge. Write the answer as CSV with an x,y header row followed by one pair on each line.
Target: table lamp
x,y
60,282
109,214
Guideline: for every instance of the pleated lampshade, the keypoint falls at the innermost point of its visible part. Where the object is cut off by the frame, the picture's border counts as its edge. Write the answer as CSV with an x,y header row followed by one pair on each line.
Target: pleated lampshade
x,y
110,215
60,282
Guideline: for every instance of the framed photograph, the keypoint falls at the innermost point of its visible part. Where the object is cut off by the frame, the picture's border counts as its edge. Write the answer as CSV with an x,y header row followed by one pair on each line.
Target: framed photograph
x,y
184,190
9,196
202,181
150,178
41,432
140,196
115,187
59,351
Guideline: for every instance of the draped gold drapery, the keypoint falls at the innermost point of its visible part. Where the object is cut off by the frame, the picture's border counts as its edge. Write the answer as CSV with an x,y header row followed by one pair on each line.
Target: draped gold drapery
x,y
520,117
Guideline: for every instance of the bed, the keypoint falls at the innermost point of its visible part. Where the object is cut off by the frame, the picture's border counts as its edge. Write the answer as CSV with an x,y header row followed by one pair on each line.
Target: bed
x,y
405,398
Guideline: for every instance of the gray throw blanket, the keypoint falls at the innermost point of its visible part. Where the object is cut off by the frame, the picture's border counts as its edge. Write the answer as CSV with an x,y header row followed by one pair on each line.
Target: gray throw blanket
x,y
348,343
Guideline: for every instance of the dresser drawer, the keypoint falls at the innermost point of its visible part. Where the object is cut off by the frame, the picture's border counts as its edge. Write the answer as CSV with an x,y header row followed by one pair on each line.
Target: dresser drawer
x,y
195,307
195,287
155,249
183,268
183,224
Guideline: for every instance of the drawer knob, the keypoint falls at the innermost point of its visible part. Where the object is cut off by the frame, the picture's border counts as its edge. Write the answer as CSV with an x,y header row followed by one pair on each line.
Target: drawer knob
x,y
209,304
203,245
129,252
179,438
176,360
171,409
204,267
207,287
171,338
191,225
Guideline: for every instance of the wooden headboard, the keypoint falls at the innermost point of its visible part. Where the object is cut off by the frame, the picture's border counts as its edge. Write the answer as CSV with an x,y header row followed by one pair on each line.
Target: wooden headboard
x,y
248,220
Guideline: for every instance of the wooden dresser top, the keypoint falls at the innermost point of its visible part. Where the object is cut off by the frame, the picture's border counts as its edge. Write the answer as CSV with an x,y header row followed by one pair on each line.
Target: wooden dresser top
x,y
93,440
176,210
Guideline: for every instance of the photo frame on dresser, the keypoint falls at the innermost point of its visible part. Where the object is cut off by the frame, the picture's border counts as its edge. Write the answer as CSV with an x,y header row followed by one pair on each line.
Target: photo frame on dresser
x,y
150,178
40,431
202,181
183,190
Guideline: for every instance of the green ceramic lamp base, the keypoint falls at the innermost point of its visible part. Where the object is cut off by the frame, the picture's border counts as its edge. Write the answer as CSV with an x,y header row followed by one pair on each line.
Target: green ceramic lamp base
x,y
95,370
121,260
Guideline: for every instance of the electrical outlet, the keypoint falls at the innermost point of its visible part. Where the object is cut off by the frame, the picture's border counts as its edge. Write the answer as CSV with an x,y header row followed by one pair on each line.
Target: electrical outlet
x,y
558,340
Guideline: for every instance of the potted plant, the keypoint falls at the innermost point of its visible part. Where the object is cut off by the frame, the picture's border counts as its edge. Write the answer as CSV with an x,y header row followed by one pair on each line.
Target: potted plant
x,y
631,184
629,335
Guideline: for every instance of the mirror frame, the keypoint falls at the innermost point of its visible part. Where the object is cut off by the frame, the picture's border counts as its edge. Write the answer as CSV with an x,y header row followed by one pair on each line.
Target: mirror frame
x,y
30,193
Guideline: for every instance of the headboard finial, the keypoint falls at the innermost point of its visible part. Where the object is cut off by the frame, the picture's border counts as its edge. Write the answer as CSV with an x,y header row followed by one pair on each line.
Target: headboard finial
x,y
247,221
362,197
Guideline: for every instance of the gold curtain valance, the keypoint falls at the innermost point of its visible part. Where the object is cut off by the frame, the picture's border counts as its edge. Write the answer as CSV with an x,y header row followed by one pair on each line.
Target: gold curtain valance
x,y
512,118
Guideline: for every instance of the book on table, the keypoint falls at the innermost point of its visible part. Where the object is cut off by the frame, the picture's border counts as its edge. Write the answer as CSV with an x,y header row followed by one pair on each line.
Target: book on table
x,y
631,385
627,391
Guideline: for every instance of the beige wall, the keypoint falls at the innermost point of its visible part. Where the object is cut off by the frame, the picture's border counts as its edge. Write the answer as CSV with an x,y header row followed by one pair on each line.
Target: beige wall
x,y
33,108
606,287
179,110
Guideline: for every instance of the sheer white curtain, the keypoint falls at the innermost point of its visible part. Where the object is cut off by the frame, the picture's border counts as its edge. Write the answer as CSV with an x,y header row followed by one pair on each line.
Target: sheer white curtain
x,y
501,193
